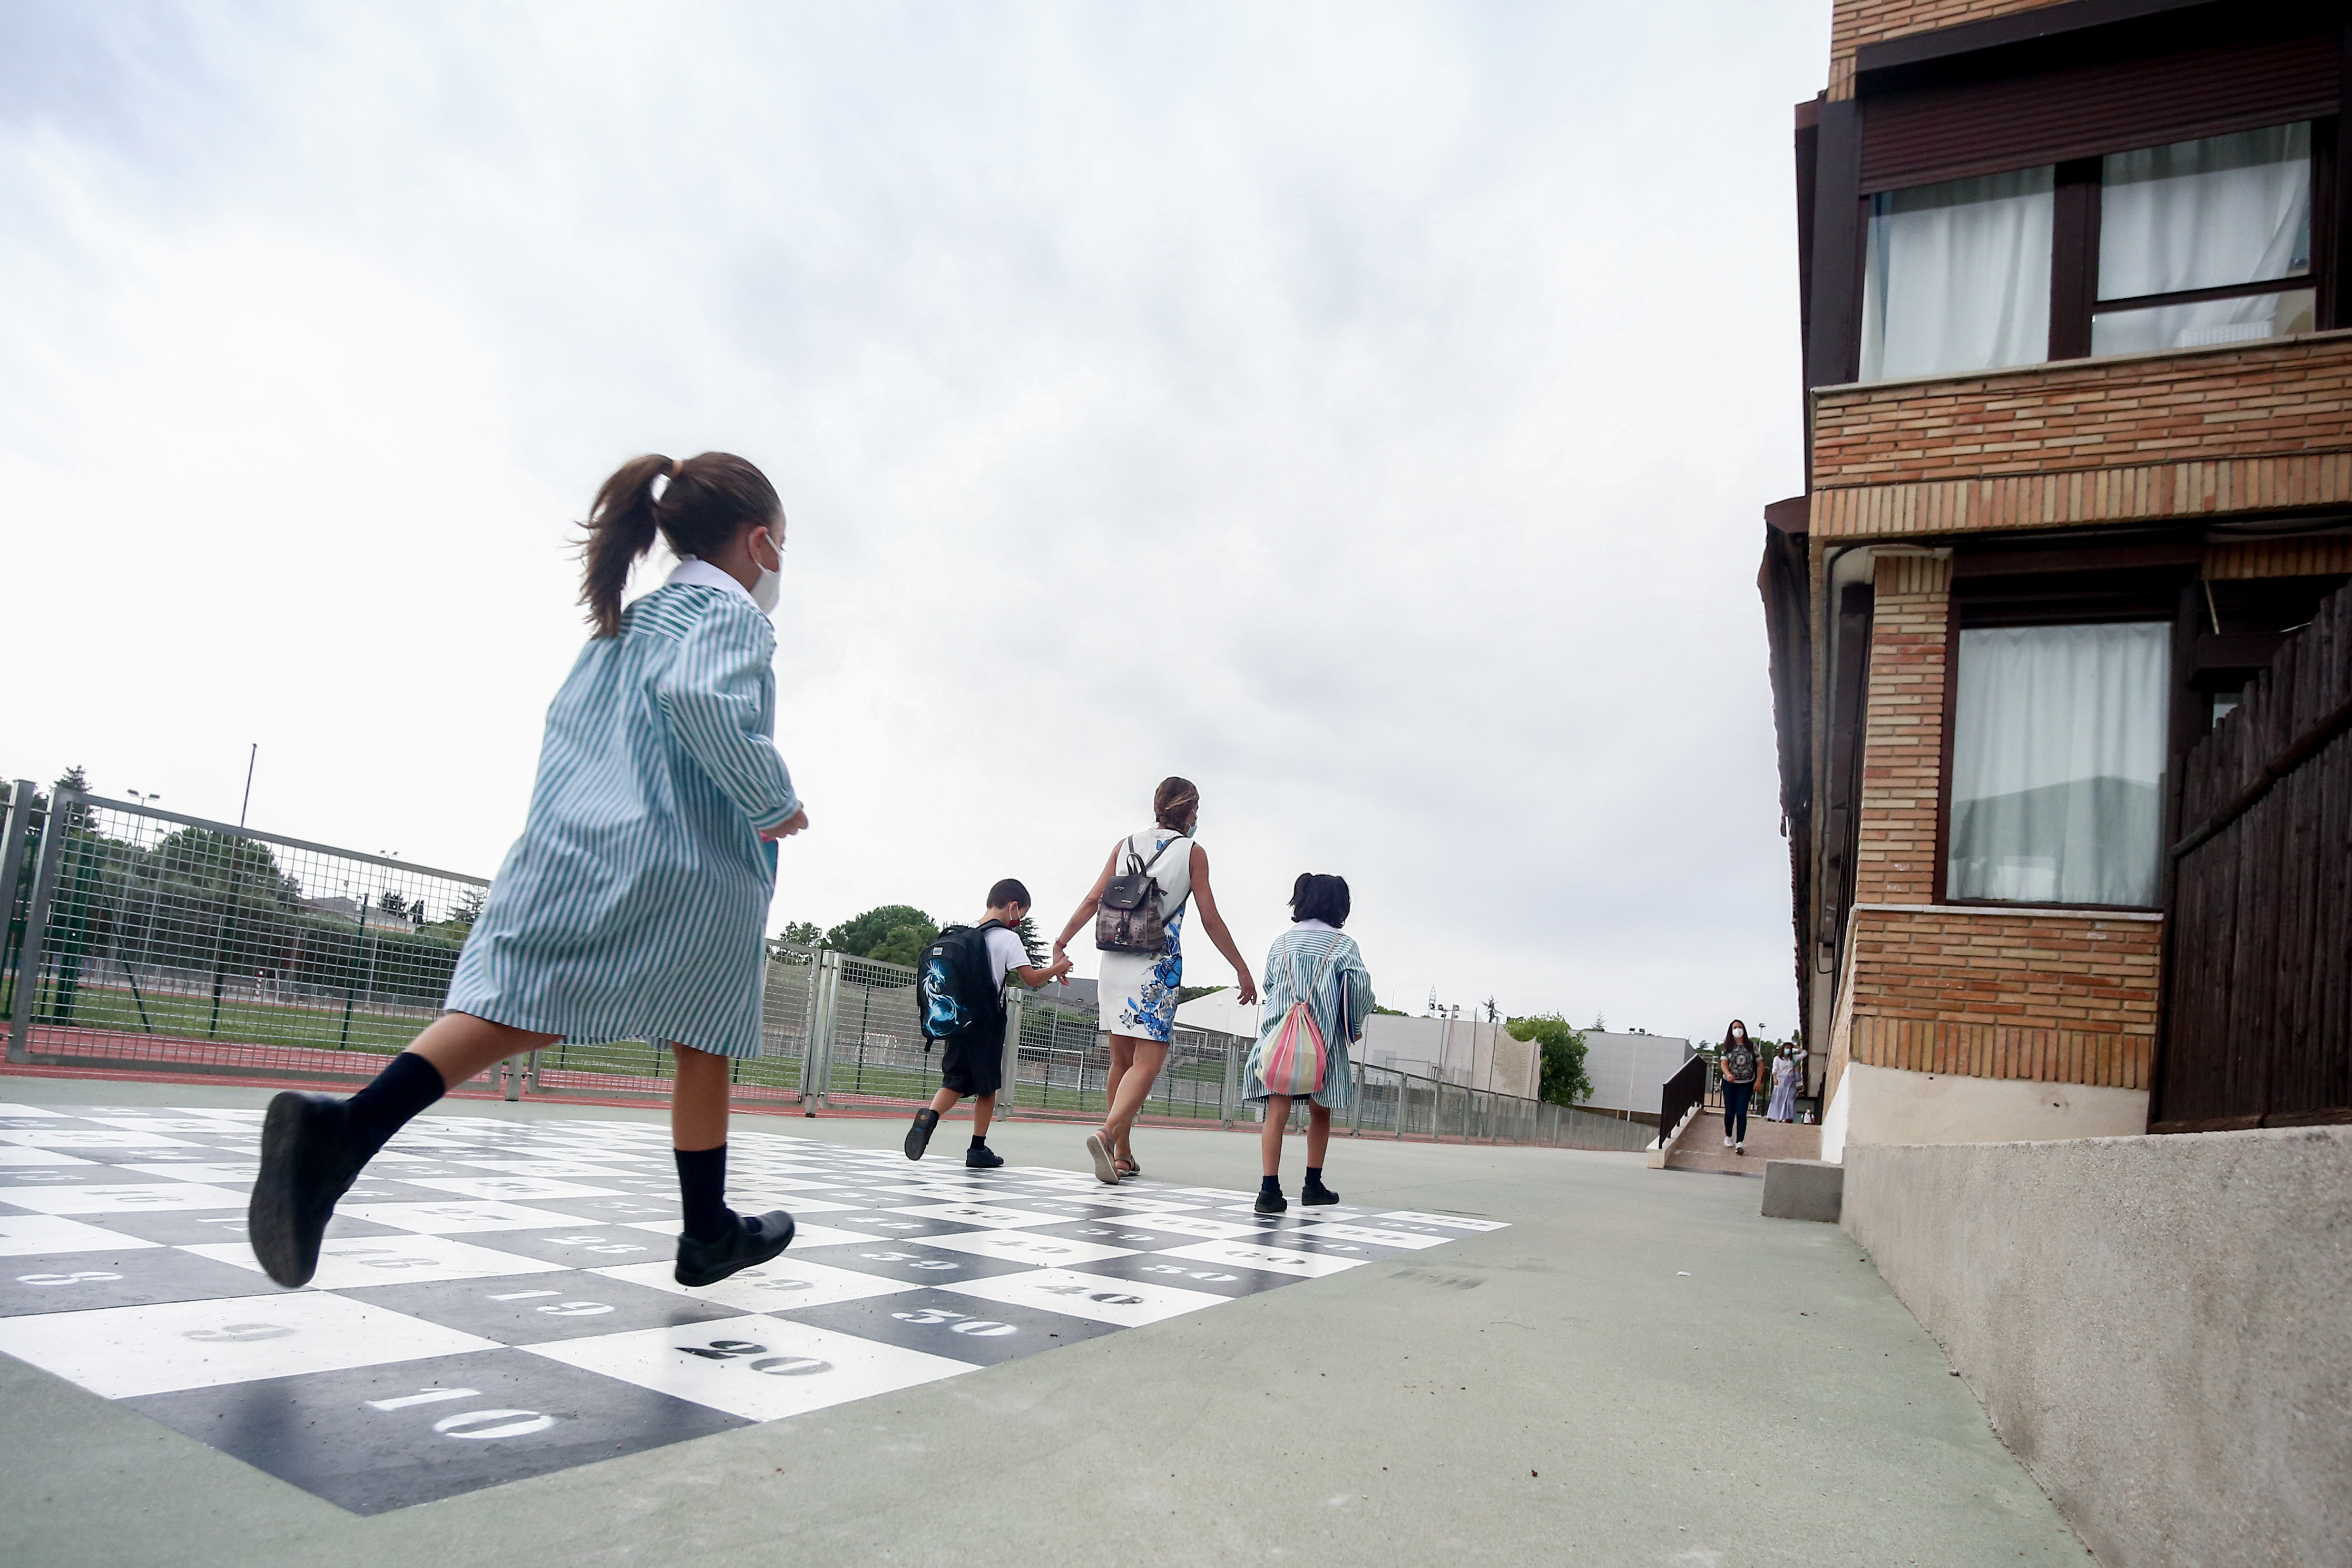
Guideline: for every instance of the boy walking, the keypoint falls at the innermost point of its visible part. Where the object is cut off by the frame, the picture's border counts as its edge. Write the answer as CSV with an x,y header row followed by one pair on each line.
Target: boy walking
x,y
961,980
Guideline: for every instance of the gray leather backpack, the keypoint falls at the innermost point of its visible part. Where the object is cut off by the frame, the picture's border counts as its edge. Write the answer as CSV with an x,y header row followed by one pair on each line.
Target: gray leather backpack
x,y
1127,919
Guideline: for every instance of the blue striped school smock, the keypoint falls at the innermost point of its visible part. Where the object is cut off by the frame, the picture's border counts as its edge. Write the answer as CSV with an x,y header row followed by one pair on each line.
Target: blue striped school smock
x,y
1290,966
634,904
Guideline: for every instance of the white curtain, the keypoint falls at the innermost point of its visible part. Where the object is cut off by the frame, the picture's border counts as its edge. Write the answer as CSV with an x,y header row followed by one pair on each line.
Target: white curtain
x,y
1958,276
2206,213
2058,763
2203,322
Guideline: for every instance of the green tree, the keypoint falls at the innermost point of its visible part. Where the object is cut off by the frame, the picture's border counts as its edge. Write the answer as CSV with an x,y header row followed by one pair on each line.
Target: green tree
x,y
801,933
1186,992
1562,1045
1031,943
891,933
74,778
905,945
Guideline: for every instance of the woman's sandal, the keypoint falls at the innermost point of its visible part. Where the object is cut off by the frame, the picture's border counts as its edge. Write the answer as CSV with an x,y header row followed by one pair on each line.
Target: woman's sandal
x,y
1125,1167
1105,1169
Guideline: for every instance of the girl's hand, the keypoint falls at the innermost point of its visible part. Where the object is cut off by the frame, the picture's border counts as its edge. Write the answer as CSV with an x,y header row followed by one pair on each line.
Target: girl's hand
x,y
793,824
1249,989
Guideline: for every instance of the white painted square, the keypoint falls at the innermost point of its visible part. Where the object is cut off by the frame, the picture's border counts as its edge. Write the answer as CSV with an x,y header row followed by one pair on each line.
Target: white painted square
x,y
90,1137
759,1368
524,1189
756,1200
12,1155
1193,1225
775,1287
217,1113
193,1124
802,1235
197,1171
12,1110
1453,1220
1272,1260
1091,1296
146,1198
29,1236
352,1262
455,1218
994,1216
1377,1237
119,1352
1017,1247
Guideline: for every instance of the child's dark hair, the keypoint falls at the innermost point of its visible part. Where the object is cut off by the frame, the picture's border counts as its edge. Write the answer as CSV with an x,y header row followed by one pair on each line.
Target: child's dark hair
x,y
1315,896
707,499
1008,891
1175,802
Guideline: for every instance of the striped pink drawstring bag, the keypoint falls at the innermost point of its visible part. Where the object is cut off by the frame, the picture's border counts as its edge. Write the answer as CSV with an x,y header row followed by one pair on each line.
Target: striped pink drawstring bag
x,y
1291,1060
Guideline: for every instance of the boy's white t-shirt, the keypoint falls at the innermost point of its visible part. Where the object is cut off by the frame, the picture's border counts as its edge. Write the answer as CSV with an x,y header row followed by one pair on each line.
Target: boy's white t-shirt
x,y
1005,952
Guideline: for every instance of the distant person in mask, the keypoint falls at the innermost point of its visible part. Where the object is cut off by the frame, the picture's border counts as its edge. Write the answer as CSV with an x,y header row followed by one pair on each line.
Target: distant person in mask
x,y
1737,1062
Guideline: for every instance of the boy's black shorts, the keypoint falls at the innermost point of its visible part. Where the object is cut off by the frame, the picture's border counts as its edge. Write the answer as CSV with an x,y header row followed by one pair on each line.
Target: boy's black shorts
x,y
973,1063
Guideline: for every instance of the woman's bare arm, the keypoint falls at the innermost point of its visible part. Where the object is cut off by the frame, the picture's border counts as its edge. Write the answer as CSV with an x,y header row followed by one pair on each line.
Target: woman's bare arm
x,y
1214,924
1086,909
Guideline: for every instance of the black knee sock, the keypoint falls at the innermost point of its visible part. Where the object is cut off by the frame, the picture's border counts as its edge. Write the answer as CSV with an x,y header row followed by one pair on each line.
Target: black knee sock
x,y
1270,1185
1314,1176
702,1188
980,1140
403,1088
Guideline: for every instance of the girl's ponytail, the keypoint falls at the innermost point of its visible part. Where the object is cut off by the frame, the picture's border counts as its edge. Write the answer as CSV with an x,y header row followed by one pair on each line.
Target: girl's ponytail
x,y
621,527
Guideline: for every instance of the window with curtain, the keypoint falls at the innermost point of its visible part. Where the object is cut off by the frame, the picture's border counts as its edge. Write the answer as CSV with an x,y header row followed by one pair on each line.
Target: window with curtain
x,y
2058,763
2221,213
1958,276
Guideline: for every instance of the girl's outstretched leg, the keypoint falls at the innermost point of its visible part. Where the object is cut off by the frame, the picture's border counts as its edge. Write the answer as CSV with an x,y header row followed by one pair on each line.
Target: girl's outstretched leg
x,y
313,1146
714,1240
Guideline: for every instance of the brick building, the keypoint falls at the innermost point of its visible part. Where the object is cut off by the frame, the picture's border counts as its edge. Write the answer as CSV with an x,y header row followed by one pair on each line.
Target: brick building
x,y
2078,390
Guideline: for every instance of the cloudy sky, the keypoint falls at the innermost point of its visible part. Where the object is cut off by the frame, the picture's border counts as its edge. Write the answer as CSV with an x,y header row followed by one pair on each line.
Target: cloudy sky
x,y
1365,410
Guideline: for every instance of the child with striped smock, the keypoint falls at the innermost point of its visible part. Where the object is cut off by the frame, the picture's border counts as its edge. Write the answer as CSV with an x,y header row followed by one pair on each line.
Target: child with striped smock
x,y
632,906
1316,962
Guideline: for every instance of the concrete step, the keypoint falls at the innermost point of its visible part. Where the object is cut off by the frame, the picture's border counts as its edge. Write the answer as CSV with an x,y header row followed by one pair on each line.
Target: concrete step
x,y
1700,1148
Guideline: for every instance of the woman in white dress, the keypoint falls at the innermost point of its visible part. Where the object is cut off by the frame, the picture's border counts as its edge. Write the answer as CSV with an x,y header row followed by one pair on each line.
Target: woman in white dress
x,y
1784,1086
1139,989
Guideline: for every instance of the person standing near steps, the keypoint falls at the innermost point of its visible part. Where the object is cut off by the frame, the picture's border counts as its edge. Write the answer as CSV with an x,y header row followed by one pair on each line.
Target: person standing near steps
x,y
1316,962
1737,1063
1137,906
632,906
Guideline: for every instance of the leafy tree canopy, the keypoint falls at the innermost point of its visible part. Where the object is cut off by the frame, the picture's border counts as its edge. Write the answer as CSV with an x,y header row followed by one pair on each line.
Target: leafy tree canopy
x,y
1391,1012
1186,992
1031,943
892,934
1562,1044
801,933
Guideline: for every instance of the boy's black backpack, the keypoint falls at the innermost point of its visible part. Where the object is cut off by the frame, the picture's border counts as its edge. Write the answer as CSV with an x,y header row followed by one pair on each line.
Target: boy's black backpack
x,y
959,988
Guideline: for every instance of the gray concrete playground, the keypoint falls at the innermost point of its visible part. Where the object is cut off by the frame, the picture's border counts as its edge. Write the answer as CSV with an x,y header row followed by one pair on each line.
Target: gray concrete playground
x,y
1639,1370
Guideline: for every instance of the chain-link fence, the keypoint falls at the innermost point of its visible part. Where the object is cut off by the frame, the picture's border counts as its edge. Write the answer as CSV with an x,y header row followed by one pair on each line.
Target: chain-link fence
x,y
142,939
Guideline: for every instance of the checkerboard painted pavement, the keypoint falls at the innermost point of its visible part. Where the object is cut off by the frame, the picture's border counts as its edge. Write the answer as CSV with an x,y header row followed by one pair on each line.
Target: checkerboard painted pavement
x,y
494,1297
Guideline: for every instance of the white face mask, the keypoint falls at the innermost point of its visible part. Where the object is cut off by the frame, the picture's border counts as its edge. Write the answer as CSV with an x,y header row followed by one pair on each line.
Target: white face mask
x,y
769,591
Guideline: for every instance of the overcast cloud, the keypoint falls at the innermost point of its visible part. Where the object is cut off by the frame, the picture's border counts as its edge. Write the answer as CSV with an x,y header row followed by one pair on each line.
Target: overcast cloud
x,y
1364,410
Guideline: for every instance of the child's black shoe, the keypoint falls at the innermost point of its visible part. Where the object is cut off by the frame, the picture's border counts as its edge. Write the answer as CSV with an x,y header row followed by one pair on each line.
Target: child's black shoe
x,y
918,1136
306,1164
748,1242
980,1157
1314,1193
1271,1203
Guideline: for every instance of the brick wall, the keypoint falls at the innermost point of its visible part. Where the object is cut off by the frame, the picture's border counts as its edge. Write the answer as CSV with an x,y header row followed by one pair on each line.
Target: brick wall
x,y
1992,994
2292,396
1903,746
1853,23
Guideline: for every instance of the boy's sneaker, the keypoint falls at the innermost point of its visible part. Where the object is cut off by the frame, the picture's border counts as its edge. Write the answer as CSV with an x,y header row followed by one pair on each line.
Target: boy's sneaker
x,y
918,1136
1312,1196
1272,1203
980,1157
750,1241
305,1167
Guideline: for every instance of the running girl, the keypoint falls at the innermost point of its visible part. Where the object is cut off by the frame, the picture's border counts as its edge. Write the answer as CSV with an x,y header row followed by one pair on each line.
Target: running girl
x,y
632,905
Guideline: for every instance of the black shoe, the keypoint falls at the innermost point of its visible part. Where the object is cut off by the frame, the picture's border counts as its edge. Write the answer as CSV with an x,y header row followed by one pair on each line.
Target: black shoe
x,y
1271,1203
918,1136
749,1242
306,1165
980,1157
1310,1197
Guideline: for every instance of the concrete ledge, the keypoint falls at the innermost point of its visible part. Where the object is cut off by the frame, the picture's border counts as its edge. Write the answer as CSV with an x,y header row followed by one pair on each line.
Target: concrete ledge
x,y
1803,1189
2156,1325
